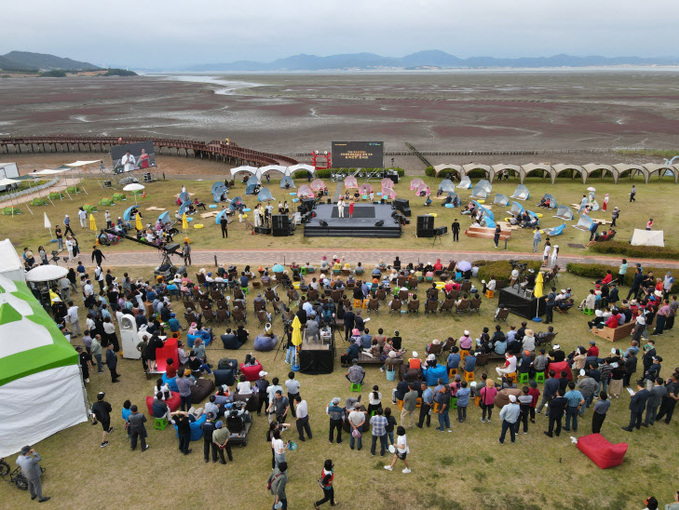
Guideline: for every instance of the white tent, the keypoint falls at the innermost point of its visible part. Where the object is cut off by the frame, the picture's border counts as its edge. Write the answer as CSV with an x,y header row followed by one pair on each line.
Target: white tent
x,y
41,388
301,166
47,171
78,164
647,238
11,265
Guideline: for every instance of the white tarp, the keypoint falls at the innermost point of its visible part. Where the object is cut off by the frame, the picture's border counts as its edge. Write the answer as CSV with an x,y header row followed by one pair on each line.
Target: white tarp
x,y
29,404
648,238
79,163
11,265
47,171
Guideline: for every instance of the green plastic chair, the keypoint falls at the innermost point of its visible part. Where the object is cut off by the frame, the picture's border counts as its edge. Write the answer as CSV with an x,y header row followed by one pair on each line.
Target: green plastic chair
x,y
356,387
160,423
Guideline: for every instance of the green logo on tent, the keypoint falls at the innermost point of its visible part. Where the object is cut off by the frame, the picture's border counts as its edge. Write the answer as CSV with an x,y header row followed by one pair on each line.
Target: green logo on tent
x,y
8,314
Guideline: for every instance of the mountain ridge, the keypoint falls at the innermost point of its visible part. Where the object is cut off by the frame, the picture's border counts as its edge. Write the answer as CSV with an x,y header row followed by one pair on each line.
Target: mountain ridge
x,y
26,61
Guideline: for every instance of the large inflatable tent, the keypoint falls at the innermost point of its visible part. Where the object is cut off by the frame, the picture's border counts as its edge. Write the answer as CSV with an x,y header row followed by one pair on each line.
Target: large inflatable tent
x,y
264,195
41,388
11,265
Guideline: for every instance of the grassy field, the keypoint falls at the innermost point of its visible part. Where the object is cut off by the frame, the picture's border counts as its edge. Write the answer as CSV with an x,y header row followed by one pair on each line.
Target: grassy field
x,y
463,470
655,199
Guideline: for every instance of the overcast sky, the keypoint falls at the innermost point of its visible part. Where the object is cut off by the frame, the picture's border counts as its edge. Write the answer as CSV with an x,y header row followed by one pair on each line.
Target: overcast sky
x,y
167,33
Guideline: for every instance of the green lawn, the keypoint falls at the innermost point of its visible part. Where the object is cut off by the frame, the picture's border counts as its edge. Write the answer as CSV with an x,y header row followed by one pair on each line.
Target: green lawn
x,y
655,199
463,470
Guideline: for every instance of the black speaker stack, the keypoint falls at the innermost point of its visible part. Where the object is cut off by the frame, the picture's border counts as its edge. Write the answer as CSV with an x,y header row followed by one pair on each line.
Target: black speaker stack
x,y
402,205
262,230
425,226
282,225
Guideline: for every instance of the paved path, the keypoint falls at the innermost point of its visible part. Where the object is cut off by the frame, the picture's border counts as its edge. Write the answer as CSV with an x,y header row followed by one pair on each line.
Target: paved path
x,y
268,257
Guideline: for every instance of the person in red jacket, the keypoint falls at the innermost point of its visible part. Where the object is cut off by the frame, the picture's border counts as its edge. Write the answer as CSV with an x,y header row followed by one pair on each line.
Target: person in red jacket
x,y
612,321
593,351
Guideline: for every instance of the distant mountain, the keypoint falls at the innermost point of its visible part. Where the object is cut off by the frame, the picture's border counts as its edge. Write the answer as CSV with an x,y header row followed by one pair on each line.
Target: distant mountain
x,y
435,59
27,61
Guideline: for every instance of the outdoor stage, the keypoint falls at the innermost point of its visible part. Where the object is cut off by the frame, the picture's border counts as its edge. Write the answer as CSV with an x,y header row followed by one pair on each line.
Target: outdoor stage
x,y
369,220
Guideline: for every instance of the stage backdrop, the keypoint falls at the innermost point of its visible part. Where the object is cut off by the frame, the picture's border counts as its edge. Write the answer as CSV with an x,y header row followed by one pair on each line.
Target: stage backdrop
x,y
118,151
358,154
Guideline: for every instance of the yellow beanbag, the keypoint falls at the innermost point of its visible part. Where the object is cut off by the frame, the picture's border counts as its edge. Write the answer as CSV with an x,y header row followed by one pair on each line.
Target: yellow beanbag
x,y
198,225
435,215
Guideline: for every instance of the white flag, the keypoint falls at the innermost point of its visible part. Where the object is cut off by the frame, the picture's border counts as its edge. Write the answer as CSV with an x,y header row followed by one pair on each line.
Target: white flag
x,y
47,221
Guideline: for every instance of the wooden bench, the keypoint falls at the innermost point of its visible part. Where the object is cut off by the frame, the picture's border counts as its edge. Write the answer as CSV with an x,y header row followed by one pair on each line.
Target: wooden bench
x,y
486,233
613,334
364,359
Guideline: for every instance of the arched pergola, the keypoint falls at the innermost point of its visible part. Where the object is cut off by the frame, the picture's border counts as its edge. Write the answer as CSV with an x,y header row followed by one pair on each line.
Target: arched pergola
x,y
474,166
661,169
502,167
449,168
622,168
590,168
532,167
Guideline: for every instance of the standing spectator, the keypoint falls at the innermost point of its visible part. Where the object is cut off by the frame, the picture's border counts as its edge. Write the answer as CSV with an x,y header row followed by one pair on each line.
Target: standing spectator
x,y
462,395
101,410
112,363
262,385
537,239
402,451
426,406
557,407
30,469
379,431
107,218
97,352
599,414
302,418
488,394
549,306
525,400
615,214
82,216
73,319
336,413
391,424
509,414
637,405
279,407
292,385
184,385
409,407
670,401
498,233
224,223
186,253
97,255
85,363
356,420
575,402
442,398
67,224
183,423
326,479
277,481
657,393
633,193
455,227
220,438
208,427
137,429
60,237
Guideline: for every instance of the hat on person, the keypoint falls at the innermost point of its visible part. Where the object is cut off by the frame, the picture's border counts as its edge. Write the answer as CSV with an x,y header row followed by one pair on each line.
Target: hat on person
x,y
657,358
194,325
431,357
219,424
599,313
173,314
336,400
187,372
592,342
415,354
262,373
556,347
512,398
466,332
614,351
458,377
582,372
355,331
101,394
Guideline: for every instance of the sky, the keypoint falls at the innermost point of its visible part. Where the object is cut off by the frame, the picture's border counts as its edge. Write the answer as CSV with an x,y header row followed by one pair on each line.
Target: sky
x,y
172,33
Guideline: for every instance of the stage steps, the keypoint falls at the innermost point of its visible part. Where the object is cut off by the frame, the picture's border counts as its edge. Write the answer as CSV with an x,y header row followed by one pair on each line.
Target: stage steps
x,y
352,231
486,233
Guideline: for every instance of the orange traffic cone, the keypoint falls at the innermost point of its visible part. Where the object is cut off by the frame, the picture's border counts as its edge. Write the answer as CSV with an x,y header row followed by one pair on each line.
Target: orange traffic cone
x,y
143,195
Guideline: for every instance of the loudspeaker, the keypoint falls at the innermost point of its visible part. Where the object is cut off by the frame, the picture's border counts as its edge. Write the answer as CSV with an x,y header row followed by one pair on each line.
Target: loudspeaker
x,y
262,230
425,226
403,205
279,221
107,184
393,176
309,204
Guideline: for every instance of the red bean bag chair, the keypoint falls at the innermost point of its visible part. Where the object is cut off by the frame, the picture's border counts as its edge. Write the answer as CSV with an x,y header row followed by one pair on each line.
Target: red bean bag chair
x,y
173,402
502,397
169,350
601,451
251,373
558,367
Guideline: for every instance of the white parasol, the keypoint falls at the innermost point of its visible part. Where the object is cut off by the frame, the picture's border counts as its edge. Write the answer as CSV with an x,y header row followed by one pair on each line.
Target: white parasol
x,y
46,273
134,187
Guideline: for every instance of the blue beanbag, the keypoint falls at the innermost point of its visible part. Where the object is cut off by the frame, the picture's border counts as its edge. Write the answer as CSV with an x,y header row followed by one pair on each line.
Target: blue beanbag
x,y
265,343
196,431
293,193
212,206
171,382
432,375
449,206
246,209
189,219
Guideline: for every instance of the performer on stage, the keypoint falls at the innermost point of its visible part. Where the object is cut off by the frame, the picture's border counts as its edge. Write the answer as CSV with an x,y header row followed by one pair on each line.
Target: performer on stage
x,y
340,208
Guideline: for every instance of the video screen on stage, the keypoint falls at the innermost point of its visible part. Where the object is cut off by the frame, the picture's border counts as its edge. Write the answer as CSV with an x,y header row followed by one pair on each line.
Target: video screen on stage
x,y
141,155
358,154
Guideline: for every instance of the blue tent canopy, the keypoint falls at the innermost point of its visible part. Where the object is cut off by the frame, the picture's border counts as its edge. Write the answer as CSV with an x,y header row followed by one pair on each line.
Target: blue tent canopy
x,y
264,195
488,217
235,202
218,219
564,213
164,218
479,193
534,215
556,230
516,209
184,197
127,215
183,207
584,223
520,193
217,197
484,185
287,181
447,186
501,199
552,200
218,187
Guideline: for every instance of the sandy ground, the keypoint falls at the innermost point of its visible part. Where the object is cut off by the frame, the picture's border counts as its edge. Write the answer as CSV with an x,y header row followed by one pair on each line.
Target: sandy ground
x,y
294,114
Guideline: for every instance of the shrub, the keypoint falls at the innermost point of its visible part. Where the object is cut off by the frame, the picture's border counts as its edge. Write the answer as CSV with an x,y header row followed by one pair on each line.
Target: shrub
x,y
596,271
430,172
501,268
627,250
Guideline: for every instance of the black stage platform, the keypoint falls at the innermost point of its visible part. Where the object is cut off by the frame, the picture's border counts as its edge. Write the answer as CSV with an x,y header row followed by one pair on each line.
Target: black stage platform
x,y
521,303
317,358
364,222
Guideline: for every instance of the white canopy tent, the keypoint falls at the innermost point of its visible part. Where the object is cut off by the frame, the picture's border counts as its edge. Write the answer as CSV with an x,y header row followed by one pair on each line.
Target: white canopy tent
x,y
301,166
11,265
47,171
648,238
80,164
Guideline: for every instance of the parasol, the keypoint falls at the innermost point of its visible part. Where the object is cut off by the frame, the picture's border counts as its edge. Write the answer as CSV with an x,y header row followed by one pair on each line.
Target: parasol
x,y
278,268
134,187
463,265
46,273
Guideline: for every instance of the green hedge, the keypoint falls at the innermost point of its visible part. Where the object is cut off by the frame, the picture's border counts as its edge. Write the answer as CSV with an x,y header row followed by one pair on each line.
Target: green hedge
x,y
430,172
55,195
73,189
37,202
627,250
596,271
501,268
8,210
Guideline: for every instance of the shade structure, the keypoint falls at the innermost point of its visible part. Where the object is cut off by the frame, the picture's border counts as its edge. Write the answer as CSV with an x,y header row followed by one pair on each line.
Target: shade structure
x,y
517,208
41,369
388,193
221,213
464,265
272,168
78,164
350,182
301,166
133,188
251,185
317,185
501,199
296,338
184,197
387,183
484,185
164,218
278,268
127,215
556,231
465,183
287,182
423,190
218,188
584,223
564,213
305,192
184,207
46,273
447,186
365,189
245,168
235,203
93,223
415,183
479,193
551,199
264,195
520,193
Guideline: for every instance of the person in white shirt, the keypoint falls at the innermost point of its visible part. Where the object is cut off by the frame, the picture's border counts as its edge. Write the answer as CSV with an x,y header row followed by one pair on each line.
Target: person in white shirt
x,y
82,216
88,289
401,452
340,208
509,366
302,420
69,248
73,319
243,387
128,161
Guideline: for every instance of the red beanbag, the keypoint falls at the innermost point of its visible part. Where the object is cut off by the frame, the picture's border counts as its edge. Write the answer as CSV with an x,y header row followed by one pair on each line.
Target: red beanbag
x,y
558,367
169,350
601,451
251,373
172,402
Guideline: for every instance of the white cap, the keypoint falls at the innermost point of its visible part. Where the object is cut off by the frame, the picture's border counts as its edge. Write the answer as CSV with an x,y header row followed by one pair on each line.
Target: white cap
x,y
512,398
414,354
262,373
557,346
582,372
614,351
431,357
466,332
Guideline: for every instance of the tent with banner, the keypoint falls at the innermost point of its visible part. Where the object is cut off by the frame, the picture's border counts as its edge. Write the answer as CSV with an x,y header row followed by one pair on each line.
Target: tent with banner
x,y
647,238
41,388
